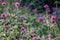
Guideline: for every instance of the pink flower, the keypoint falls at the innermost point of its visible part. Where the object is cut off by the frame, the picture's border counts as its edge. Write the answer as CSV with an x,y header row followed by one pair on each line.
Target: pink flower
x,y
40,19
21,16
15,20
53,18
46,6
3,3
24,21
34,38
49,35
3,15
32,31
6,26
22,28
16,4
21,32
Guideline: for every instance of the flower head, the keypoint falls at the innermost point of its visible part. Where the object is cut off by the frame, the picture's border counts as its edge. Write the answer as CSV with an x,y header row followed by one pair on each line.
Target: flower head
x,y
21,16
40,19
46,6
52,21
49,35
22,28
53,18
34,38
3,15
24,21
3,3
6,26
32,31
16,4
21,32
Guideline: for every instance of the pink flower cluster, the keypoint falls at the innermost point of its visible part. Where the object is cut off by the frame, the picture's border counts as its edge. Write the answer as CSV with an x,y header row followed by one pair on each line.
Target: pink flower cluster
x,y
16,4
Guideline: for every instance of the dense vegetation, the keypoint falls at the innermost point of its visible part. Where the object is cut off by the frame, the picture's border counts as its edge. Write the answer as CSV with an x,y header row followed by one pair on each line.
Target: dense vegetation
x,y
19,20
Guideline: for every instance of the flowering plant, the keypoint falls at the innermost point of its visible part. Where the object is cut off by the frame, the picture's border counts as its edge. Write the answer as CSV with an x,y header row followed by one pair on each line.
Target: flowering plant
x,y
18,23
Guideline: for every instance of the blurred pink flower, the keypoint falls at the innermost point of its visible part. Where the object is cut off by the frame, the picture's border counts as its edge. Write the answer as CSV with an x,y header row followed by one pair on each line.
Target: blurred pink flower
x,y
22,28
32,31
21,16
34,38
3,15
21,32
6,26
49,35
52,21
24,21
15,20
53,18
16,4
46,6
40,19
3,3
